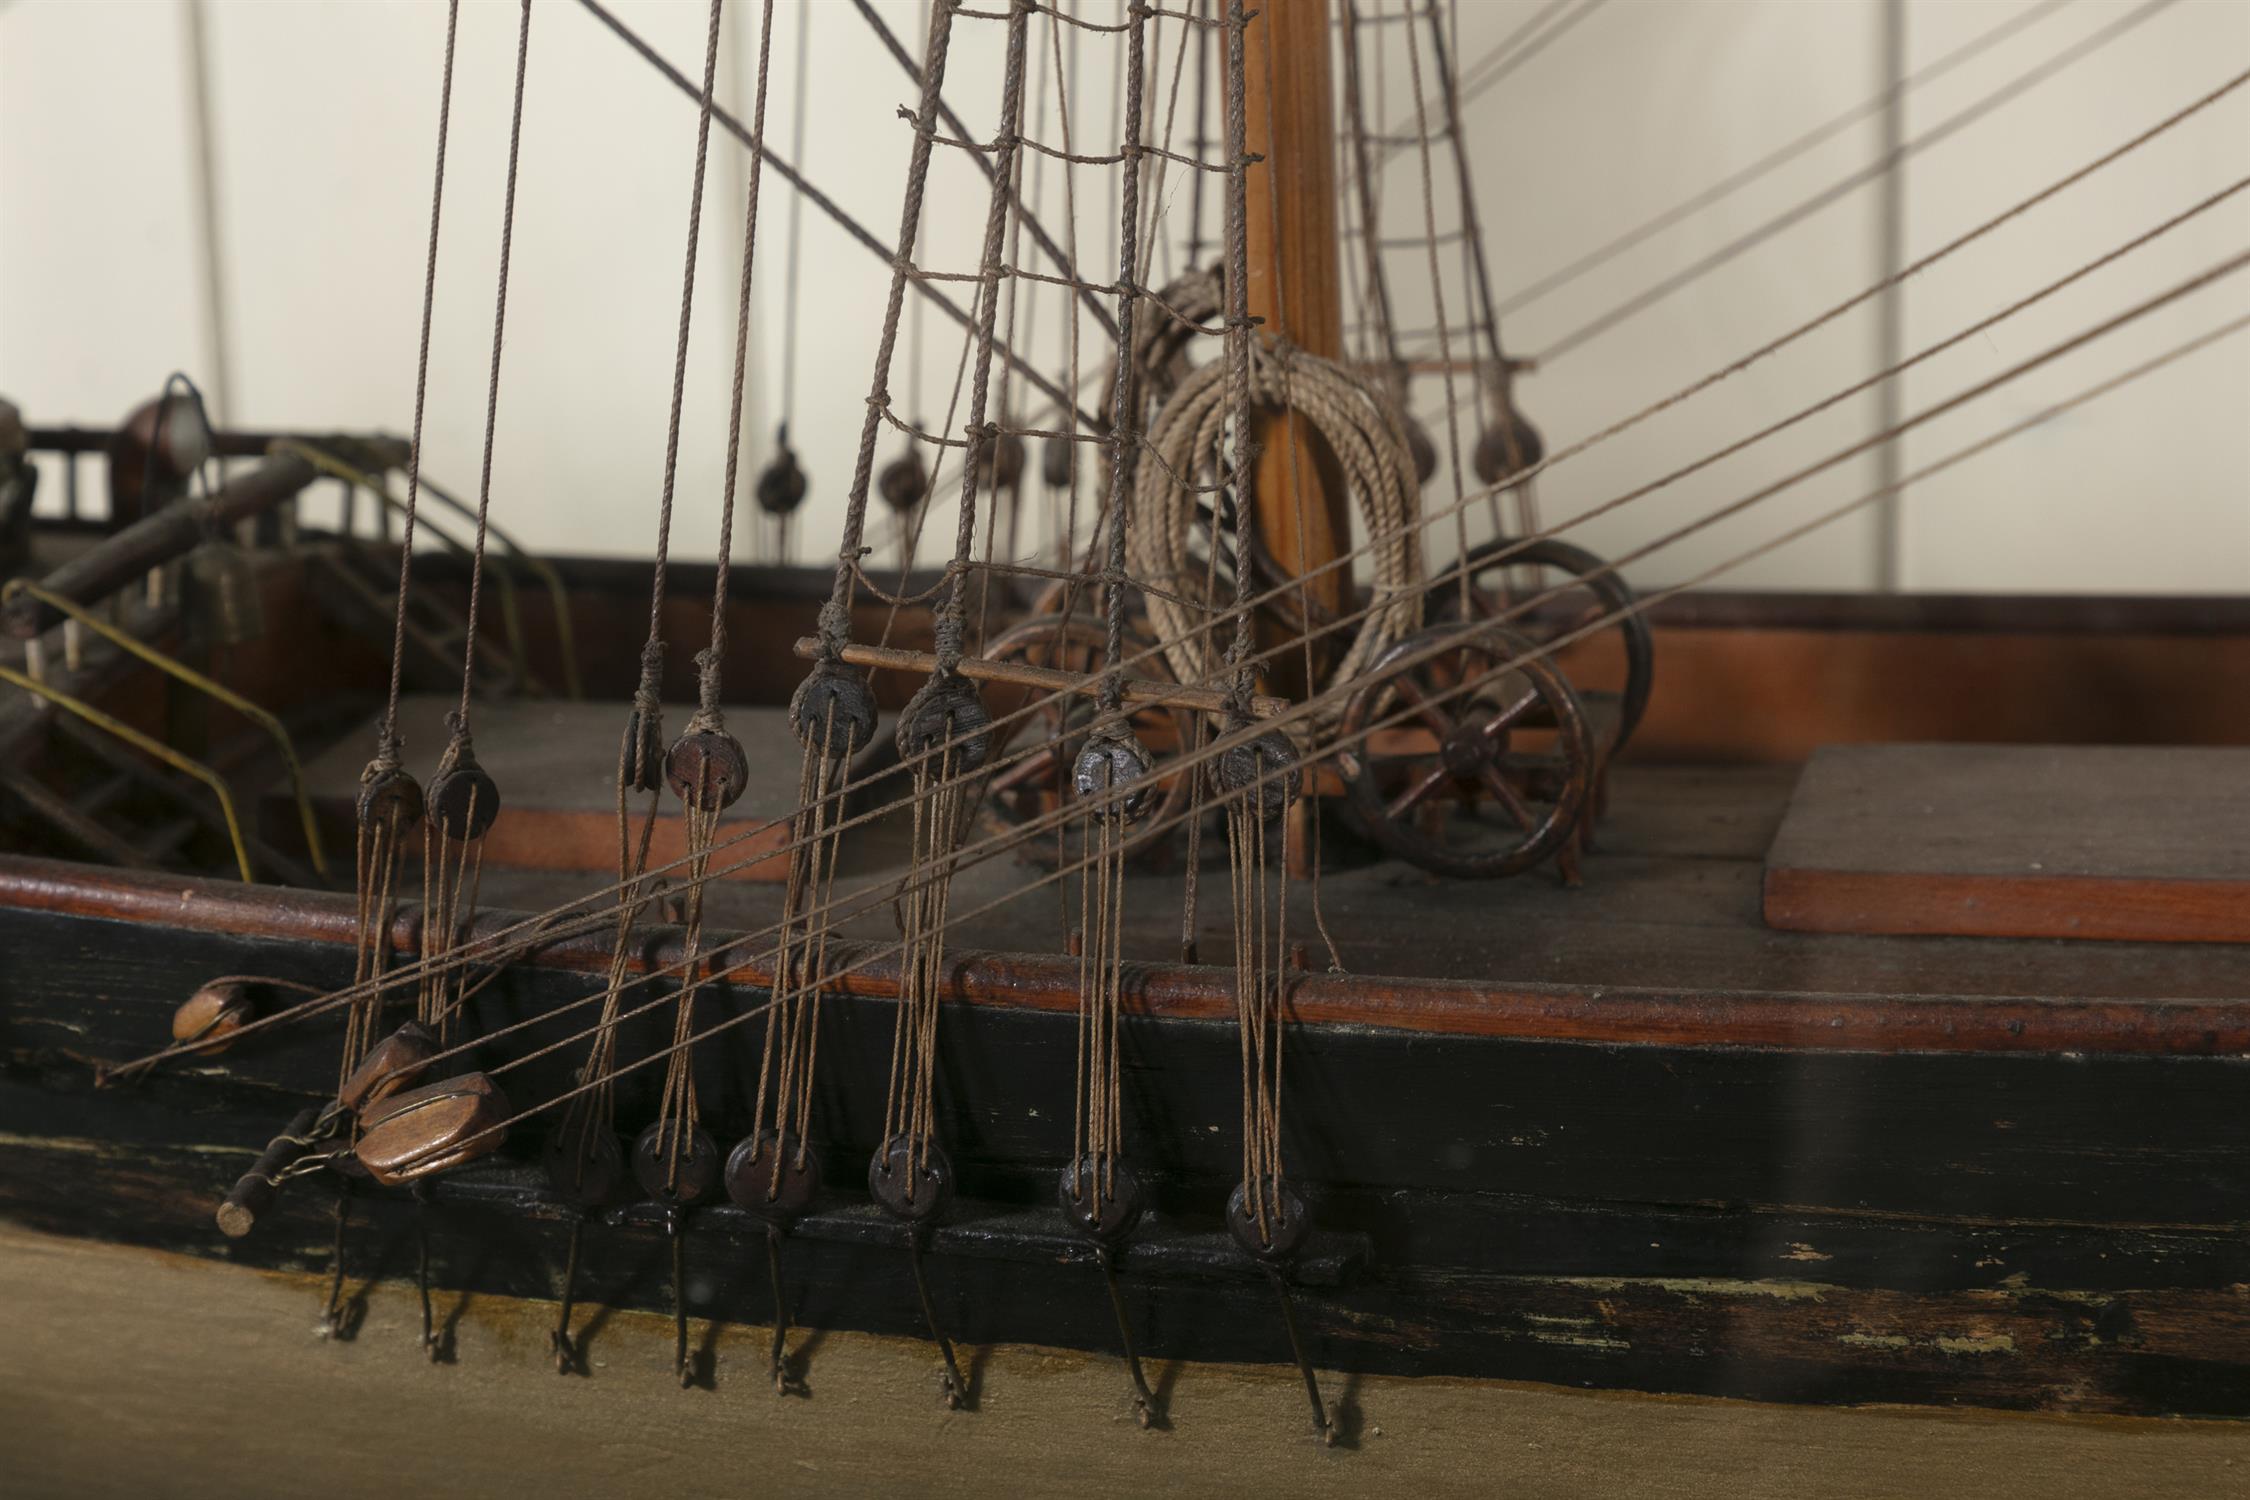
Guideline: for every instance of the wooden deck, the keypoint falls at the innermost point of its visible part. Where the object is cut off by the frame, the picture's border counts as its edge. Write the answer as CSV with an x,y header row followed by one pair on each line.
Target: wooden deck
x,y
1671,903
2093,842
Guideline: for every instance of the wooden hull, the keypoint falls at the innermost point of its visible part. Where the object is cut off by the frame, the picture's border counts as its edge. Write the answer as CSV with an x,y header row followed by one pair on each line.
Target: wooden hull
x,y
2031,1204
1623,1137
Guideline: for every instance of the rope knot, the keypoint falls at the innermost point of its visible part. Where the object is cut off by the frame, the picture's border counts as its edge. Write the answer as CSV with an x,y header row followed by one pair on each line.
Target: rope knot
x,y
459,744
649,694
950,642
707,715
835,628
389,751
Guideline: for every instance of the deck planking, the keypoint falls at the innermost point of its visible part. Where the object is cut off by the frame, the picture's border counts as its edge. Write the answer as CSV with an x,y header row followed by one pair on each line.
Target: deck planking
x,y
2120,843
1671,902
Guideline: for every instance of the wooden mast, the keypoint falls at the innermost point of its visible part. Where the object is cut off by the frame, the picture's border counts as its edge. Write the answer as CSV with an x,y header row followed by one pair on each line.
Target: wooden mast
x,y
1295,287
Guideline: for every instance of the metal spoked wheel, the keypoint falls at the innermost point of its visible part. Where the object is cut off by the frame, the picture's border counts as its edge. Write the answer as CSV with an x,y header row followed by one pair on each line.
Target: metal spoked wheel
x,y
1038,782
1612,666
1466,758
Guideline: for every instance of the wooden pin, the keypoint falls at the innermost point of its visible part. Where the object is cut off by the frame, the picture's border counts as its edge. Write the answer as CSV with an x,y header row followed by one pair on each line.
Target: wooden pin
x,y
253,1192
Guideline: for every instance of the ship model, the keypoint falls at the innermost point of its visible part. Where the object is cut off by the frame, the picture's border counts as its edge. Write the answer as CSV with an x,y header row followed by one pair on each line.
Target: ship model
x,y
1254,923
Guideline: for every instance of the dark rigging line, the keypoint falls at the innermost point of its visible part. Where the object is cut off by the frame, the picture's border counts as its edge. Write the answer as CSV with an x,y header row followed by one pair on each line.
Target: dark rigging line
x,y
492,393
387,737
680,343
1805,208
829,206
796,227
1497,64
1530,49
1031,224
1780,157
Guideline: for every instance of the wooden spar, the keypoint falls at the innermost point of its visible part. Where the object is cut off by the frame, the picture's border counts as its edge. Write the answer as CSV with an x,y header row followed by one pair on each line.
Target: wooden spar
x,y
156,539
231,442
1295,287
253,1191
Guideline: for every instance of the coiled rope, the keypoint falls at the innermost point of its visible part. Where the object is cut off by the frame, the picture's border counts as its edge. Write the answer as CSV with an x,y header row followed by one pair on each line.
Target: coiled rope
x,y
1364,431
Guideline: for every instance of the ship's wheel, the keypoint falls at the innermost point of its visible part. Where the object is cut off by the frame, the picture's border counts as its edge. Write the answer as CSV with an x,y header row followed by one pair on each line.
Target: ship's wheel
x,y
1465,757
1611,665
1036,783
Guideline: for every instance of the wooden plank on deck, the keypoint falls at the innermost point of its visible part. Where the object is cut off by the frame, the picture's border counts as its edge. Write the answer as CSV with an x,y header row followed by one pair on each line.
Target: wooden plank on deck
x,y
2126,843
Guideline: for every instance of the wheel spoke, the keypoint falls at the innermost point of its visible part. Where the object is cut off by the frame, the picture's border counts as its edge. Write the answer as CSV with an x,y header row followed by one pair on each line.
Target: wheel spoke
x,y
1424,709
1399,806
1506,795
1493,727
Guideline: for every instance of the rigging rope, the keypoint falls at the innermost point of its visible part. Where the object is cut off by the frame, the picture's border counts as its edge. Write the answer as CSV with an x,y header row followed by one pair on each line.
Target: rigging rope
x,y
1238,739
945,716
387,742
2019,208
648,703
1507,424
1860,298
492,389
1259,779
1806,207
490,944
827,205
390,801
1781,156
783,484
463,800
1437,292
1099,1196
1450,638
